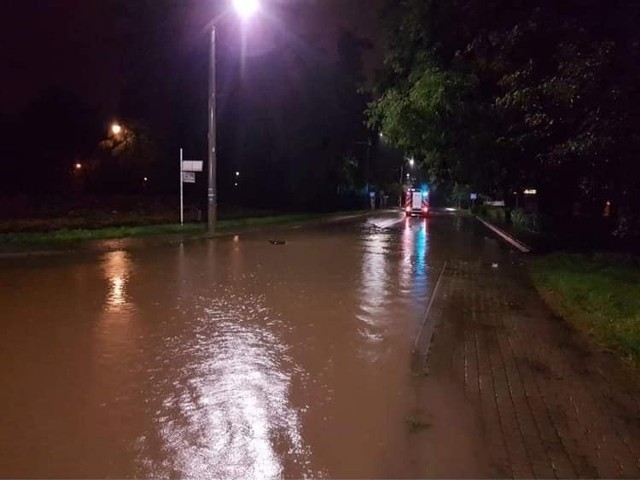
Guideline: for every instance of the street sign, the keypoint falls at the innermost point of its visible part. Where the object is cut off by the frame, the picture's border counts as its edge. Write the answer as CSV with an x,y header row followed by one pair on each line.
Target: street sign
x,y
188,169
474,196
189,177
192,166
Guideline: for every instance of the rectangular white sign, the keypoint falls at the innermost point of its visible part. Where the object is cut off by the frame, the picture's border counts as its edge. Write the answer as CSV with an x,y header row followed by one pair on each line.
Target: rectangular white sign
x,y
192,166
189,177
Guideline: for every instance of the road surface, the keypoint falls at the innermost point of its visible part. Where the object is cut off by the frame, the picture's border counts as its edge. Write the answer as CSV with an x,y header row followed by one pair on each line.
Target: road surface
x,y
245,358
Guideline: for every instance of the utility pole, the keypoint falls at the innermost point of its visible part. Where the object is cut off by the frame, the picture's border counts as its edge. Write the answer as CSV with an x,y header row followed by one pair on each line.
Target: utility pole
x,y
401,184
368,162
181,190
212,200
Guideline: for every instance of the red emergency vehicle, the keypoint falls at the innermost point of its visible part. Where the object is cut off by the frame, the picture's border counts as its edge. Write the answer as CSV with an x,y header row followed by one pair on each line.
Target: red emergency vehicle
x,y
416,202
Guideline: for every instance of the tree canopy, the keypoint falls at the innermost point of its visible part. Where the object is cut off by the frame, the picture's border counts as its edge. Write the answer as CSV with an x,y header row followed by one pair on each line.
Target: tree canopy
x,y
505,95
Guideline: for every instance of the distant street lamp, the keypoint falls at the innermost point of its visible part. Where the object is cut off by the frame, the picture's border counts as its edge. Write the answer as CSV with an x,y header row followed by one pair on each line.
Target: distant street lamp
x,y
411,162
244,9
78,166
116,129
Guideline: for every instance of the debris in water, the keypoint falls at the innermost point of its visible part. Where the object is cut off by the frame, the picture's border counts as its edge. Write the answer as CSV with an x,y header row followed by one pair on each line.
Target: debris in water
x,y
416,425
277,242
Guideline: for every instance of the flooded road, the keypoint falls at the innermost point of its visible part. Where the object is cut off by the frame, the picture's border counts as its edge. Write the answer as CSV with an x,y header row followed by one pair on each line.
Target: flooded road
x,y
231,358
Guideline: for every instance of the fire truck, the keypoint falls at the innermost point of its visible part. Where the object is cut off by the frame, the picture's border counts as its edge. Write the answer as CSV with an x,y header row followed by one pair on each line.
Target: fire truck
x,y
416,202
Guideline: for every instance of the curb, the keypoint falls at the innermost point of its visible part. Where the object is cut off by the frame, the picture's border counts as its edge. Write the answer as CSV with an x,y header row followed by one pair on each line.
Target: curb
x,y
505,236
425,320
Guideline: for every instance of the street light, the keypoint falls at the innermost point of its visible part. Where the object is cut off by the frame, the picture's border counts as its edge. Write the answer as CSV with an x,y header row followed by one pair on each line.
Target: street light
x,y
412,162
244,9
116,129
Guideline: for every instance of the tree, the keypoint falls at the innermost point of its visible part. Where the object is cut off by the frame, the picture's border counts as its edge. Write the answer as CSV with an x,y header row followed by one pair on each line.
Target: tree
x,y
122,161
504,95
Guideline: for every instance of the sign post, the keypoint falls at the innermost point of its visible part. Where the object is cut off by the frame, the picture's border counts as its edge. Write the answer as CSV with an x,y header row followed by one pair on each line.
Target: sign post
x,y
188,177
473,197
181,192
188,169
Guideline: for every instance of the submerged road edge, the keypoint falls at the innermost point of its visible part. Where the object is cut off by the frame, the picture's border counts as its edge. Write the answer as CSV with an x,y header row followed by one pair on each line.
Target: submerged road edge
x,y
425,319
134,242
505,236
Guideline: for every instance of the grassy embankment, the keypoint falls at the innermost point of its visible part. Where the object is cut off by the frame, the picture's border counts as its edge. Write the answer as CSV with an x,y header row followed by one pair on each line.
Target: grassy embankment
x,y
599,294
518,227
224,226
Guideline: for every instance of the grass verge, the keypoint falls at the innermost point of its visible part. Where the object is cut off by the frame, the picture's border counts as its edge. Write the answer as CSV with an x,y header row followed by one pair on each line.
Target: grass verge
x,y
224,226
599,294
82,234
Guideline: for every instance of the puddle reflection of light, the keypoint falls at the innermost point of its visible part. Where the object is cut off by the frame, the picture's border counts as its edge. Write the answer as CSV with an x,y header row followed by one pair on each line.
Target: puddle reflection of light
x,y
116,296
374,288
407,243
116,338
231,416
117,269
415,248
374,269
421,248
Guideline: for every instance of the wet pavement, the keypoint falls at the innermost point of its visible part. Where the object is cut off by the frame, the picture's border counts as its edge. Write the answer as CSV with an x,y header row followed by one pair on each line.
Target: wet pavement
x,y
241,358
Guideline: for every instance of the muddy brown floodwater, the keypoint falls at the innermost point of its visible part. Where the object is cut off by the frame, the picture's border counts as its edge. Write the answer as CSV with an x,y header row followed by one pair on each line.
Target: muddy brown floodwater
x,y
231,358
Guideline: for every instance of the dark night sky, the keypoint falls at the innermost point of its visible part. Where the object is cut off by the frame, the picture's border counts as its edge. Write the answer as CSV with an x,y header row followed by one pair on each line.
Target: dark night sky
x,y
70,43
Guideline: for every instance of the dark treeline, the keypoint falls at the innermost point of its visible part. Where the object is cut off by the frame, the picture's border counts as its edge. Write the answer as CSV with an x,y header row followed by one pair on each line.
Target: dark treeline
x,y
290,115
501,95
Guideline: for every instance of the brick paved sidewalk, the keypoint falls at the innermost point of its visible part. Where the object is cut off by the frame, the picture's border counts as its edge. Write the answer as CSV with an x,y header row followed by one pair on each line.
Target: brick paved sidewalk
x,y
550,405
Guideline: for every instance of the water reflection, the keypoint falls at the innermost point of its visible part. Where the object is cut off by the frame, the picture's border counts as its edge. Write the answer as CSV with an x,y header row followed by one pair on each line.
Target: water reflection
x,y
422,247
374,285
375,270
117,335
117,270
415,249
228,413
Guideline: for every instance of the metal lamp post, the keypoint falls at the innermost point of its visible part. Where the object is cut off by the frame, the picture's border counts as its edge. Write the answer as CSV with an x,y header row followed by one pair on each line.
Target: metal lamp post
x,y
402,180
411,164
245,9
212,201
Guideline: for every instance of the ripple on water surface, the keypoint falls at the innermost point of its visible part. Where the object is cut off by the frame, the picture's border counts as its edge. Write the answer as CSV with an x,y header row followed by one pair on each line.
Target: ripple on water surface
x,y
227,412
